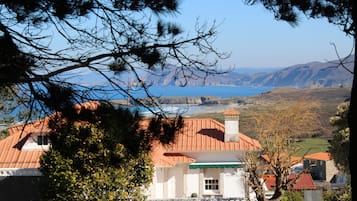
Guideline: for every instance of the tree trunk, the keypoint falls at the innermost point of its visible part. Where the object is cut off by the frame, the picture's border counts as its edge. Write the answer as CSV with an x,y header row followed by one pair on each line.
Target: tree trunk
x,y
353,106
352,126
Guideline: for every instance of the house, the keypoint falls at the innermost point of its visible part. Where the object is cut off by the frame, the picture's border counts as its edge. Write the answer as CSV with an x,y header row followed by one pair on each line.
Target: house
x,y
205,159
321,166
323,170
304,182
20,159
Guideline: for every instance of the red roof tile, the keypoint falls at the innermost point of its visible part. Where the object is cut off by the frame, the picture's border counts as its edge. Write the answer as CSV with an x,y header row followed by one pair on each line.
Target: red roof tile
x,y
11,155
305,182
208,135
197,135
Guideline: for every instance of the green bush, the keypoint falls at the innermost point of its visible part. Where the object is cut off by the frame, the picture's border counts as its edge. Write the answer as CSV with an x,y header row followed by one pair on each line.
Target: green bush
x,y
194,195
293,196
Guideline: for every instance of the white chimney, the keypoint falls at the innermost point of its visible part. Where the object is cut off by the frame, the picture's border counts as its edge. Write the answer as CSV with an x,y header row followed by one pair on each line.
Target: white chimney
x,y
231,125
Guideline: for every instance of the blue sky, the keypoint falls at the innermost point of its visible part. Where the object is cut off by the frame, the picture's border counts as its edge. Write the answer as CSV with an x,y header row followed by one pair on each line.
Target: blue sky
x,y
256,39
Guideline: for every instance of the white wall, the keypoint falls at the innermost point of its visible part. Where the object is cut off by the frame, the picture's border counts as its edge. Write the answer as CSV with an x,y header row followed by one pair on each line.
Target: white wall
x,y
156,189
192,184
331,170
31,143
181,182
233,182
168,182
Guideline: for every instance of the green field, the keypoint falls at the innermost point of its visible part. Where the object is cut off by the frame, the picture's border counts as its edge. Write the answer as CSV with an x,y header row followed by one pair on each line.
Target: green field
x,y
312,145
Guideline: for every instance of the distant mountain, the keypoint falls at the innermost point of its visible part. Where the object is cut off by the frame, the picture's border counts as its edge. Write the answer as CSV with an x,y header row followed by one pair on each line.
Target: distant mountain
x,y
309,75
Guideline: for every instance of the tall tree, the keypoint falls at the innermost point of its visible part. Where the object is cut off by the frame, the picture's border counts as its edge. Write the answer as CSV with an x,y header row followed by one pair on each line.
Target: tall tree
x,y
275,129
47,48
342,13
341,137
101,153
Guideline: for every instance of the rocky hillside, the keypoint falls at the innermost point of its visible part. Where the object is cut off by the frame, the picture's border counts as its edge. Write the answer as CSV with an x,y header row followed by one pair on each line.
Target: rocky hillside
x,y
309,75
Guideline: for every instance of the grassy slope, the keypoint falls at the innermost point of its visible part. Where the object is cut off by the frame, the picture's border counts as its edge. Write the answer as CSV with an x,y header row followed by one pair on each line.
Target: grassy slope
x,y
312,145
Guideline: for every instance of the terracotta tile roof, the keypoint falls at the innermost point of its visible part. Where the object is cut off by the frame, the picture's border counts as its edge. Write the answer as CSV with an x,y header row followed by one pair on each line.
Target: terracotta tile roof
x,y
198,135
11,155
305,182
324,156
207,135
158,157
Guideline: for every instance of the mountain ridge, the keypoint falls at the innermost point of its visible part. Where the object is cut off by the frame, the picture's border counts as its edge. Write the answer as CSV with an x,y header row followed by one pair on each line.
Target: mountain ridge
x,y
309,75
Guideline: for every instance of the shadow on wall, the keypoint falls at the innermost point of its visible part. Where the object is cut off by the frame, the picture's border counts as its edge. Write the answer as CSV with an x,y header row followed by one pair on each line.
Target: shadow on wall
x,y
20,188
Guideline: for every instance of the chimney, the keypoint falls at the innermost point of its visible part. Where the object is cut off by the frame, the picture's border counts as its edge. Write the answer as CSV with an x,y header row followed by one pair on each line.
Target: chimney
x,y
231,125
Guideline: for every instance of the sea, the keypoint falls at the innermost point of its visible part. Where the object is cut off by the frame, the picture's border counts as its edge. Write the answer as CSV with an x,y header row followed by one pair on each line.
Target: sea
x,y
197,91
192,91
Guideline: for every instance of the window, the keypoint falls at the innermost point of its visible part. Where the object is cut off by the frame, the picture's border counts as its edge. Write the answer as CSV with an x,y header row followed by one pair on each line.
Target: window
x,y
42,140
211,184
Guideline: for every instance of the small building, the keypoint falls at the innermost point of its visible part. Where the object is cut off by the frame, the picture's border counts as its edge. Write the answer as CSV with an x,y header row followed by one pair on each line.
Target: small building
x,y
323,170
320,165
304,182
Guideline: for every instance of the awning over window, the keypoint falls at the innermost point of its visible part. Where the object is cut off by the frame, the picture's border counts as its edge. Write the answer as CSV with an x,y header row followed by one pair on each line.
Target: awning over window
x,y
216,165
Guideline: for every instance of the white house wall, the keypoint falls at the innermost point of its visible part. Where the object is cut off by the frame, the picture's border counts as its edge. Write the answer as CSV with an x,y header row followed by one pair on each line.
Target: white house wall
x,y
175,182
179,173
31,143
182,182
233,181
192,184
331,170
156,189
168,182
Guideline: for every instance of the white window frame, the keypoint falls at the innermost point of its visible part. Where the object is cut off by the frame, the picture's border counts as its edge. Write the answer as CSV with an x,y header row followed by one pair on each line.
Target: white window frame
x,y
211,185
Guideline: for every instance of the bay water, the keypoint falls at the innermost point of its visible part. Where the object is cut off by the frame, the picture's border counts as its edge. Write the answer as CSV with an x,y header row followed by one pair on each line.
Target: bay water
x,y
194,91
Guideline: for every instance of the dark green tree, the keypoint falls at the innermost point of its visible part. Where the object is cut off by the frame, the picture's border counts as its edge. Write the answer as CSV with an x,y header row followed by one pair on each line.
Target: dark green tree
x,y
45,46
12,109
342,13
340,143
101,153
47,49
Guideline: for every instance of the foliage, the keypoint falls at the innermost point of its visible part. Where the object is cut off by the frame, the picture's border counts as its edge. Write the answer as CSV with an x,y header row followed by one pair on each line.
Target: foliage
x,y
89,160
12,109
293,196
342,195
194,195
275,129
49,47
340,143
338,12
